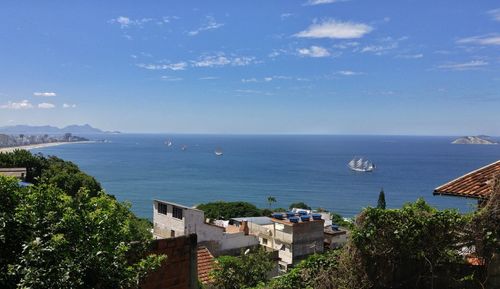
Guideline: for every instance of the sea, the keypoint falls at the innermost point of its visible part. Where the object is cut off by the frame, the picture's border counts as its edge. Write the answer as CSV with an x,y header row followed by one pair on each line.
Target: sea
x,y
139,168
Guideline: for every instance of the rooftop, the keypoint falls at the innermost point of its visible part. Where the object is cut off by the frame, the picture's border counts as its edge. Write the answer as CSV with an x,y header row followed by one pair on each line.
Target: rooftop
x,y
256,220
205,264
177,205
476,184
12,169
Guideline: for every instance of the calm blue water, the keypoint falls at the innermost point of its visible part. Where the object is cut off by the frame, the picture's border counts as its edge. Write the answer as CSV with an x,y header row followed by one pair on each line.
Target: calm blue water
x,y
140,168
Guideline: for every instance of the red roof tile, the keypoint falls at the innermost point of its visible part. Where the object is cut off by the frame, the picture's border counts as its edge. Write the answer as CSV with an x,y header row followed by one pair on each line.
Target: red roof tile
x,y
476,184
205,264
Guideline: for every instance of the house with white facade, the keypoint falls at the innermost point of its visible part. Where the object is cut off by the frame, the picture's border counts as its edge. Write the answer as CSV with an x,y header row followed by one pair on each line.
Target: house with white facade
x,y
172,220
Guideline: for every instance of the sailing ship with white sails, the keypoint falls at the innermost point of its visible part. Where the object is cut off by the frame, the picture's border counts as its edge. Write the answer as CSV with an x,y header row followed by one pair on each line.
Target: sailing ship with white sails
x,y
361,165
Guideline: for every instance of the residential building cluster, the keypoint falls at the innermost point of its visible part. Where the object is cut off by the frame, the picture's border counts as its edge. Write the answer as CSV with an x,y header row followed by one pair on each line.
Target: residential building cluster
x,y
23,140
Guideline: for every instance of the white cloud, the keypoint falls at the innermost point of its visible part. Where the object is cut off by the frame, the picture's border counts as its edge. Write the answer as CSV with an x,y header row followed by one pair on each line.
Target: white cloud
x,y
44,94
246,80
495,14
209,78
126,22
67,105
348,72
222,60
283,16
170,78
335,30
210,24
314,51
490,39
46,105
471,65
379,49
410,56
319,2
24,104
171,66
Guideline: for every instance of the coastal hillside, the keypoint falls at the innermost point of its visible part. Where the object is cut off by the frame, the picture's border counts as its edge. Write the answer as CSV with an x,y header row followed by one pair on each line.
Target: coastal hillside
x,y
47,129
484,140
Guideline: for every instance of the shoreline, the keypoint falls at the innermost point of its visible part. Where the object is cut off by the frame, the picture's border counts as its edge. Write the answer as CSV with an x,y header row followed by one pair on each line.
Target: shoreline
x,y
38,146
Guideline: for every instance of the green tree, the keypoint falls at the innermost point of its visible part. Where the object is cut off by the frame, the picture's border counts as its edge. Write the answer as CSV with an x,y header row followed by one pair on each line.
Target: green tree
x,y
245,271
40,169
228,210
300,205
53,240
381,200
270,201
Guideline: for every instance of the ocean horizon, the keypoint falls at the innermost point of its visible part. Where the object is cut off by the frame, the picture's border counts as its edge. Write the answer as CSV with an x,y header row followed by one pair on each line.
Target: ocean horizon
x,y
138,168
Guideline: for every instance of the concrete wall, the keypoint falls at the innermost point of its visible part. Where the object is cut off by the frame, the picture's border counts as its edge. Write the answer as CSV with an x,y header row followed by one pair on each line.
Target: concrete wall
x,y
179,271
307,239
237,241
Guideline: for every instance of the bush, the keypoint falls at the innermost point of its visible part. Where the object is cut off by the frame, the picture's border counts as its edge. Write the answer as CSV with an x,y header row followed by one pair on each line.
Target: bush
x,y
245,271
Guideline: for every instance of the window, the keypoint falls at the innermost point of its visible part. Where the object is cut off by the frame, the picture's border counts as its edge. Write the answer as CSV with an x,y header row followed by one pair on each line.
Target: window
x,y
264,241
162,208
172,233
177,213
283,247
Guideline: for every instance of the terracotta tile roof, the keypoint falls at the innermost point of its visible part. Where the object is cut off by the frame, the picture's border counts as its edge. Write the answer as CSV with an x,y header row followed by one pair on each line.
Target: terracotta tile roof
x,y
476,184
205,264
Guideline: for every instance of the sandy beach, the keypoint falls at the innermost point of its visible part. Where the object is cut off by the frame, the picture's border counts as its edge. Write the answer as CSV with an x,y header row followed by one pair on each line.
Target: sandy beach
x,y
38,146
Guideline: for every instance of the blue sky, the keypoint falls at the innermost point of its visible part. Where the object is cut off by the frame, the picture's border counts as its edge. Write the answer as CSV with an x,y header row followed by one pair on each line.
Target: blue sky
x,y
317,66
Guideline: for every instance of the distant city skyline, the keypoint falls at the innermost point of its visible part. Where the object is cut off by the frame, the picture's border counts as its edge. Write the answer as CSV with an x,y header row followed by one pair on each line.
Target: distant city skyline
x,y
253,67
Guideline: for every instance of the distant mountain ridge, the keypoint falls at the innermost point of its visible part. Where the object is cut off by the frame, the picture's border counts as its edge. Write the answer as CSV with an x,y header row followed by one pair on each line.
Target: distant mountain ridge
x,y
47,129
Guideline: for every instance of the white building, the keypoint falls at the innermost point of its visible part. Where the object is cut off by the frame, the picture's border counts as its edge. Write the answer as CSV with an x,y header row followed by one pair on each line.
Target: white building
x,y
171,220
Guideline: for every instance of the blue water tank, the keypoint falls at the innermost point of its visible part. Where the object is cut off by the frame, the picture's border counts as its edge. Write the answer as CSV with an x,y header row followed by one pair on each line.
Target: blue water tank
x,y
278,216
302,213
294,219
290,214
316,216
305,218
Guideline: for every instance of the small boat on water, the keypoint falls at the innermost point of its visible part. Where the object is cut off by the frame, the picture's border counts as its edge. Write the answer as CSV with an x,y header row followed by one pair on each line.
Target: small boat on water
x,y
168,143
361,165
218,152
184,147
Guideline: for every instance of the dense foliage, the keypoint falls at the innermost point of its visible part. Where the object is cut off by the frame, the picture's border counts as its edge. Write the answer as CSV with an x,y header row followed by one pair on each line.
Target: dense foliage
x,y
308,274
52,240
412,246
299,205
64,174
228,210
58,233
416,246
245,271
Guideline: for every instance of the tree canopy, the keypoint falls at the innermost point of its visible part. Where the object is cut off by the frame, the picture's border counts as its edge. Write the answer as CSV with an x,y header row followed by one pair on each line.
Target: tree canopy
x,y
64,174
228,210
300,205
